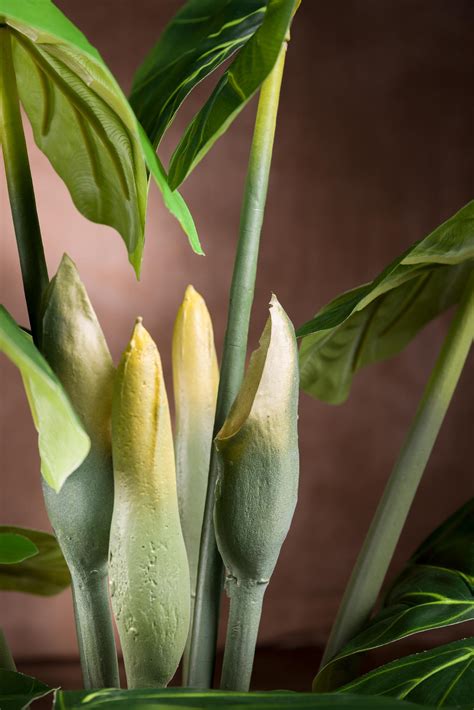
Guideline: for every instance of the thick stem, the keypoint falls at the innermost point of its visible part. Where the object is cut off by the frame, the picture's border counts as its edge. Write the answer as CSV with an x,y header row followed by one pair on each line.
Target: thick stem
x,y
20,188
6,659
373,561
209,584
95,634
246,600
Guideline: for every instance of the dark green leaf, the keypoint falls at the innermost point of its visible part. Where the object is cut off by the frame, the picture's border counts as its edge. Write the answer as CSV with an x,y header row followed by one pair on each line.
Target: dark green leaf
x,y
452,544
435,590
17,691
236,87
185,698
377,320
202,35
442,677
15,548
45,574
83,123
63,443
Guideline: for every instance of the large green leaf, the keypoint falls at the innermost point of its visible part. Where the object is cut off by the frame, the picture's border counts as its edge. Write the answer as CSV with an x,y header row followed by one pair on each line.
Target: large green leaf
x,y
17,691
63,443
436,589
83,123
45,573
377,320
236,87
186,698
15,547
201,36
441,677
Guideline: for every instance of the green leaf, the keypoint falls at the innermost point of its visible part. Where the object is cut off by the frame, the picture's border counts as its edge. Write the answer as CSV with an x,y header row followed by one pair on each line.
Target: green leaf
x,y
15,548
187,698
201,36
83,123
376,321
63,443
435,590
45,574
441,677
17,691
236,87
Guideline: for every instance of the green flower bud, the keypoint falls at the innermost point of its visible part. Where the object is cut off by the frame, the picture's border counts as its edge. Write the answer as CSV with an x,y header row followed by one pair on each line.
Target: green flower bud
x,y
148,565
256,491
81,512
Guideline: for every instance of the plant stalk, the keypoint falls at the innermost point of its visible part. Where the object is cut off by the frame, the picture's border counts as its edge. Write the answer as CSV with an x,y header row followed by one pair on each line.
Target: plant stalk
x,y
6,659
371,567
95,634
246,601
210,574
20,188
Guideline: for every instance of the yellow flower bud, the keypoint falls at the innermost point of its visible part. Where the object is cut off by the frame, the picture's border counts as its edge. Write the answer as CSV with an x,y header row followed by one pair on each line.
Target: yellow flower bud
x,y
148,564
195,380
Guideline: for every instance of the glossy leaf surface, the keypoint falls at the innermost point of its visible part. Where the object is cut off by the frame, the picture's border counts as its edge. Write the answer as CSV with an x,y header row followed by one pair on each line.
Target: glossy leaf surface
x,y
83,123
376,321
63,443
15,547
187,698
201,36
17,690
435,590
442,677
45,573
236,87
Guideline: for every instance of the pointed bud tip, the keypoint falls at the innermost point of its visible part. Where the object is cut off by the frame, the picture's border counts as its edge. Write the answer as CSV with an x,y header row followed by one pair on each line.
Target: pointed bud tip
x,y
192,297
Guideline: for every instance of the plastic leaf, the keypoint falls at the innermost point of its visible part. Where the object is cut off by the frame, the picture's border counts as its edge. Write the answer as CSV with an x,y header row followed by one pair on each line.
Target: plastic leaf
x,y
83,123
201,36
45,573
63,443
435,590
376,321
241,80
441,677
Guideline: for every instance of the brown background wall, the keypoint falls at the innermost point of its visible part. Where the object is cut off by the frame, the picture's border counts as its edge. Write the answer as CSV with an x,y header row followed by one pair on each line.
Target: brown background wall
x,y
374,149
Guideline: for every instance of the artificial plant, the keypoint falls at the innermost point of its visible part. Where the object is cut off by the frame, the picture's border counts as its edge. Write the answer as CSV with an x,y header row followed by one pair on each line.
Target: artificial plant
x,y
105,440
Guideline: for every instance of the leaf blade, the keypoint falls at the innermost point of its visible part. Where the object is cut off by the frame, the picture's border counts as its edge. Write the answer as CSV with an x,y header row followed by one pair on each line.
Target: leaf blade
x,y
199,38
377,320
15,548
83,123
234,90
63,443
44,574
436,589
188,698
443,676
17,690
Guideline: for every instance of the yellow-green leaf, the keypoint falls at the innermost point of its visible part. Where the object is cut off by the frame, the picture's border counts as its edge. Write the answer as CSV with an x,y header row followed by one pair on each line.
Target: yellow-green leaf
x,y
63,443
82,121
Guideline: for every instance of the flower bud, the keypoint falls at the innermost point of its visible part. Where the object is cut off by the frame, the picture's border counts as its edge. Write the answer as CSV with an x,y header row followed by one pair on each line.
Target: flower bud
x,y
148,565
257,447
75,347
195,380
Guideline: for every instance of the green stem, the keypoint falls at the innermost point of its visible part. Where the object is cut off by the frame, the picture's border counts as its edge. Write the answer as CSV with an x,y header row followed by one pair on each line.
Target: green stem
x,y
95,634
246,600
373,561
20,188
6,659
209,584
